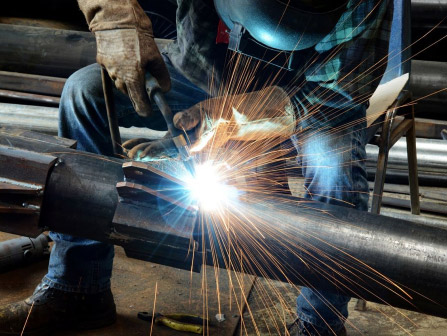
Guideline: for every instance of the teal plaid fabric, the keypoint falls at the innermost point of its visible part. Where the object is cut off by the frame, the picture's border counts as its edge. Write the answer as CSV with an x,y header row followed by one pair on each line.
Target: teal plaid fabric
x,y
352,58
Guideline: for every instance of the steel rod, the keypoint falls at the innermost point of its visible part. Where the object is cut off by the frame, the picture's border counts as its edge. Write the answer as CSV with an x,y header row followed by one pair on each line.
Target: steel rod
x,y
112,118
29,97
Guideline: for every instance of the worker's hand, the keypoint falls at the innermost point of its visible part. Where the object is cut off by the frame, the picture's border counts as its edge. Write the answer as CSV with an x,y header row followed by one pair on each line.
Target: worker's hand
x,y
127,54
141,149
126,47
257,115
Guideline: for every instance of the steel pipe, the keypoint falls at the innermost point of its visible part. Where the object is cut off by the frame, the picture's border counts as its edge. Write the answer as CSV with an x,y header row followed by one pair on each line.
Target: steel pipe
x,y
45,119
426,78
405,215
45,51
355,253
431,155
425,12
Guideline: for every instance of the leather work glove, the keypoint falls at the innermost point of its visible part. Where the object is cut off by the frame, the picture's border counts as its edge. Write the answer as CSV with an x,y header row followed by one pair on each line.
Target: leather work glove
x,y
126,47
258,115
142,149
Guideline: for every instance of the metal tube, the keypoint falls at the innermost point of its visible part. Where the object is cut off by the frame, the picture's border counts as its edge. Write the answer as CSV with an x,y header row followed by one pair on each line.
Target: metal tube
x,y
431,221
46,51
428,11
436,207
44,85
431,155
319,245
332,248
29,97
426,78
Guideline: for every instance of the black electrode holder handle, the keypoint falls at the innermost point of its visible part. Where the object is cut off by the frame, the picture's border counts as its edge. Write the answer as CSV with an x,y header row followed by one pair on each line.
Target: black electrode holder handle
x,y
157,96
107,86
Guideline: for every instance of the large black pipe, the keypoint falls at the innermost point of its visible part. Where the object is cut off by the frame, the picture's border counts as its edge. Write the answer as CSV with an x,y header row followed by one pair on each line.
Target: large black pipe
x,y
426,78
327,247
339,249
46,51
428,12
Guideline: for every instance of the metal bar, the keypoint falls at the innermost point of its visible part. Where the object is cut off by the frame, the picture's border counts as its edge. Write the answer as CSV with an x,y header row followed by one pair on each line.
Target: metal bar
x,y
107,87
29,97
44,85
429,128
45,119
436,207
382,160
413,166
438,221
430,193
399,131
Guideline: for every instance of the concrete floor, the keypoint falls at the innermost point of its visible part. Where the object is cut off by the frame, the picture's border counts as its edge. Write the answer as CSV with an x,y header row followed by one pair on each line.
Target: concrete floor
x,y
134,284
377,320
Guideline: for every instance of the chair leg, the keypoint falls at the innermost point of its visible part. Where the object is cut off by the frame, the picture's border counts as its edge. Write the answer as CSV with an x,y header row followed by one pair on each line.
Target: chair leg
x,y
413,168
382,162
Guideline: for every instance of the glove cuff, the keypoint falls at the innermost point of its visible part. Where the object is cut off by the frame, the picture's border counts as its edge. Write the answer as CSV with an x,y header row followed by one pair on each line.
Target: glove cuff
x,y
115,14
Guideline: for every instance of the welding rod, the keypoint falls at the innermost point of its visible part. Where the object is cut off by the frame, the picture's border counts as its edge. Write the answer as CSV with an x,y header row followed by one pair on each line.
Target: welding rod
x,y
111,115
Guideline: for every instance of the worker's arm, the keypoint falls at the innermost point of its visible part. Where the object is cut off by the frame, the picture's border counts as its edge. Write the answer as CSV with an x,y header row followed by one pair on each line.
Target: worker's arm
x,y
126,47
258,115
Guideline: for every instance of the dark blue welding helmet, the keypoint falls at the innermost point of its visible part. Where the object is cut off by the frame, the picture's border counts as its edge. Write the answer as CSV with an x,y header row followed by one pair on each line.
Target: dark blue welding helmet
x,y
272,30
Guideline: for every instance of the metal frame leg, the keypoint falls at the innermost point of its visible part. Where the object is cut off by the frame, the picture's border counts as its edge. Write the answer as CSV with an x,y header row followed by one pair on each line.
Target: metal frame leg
x,y
382,161
413,167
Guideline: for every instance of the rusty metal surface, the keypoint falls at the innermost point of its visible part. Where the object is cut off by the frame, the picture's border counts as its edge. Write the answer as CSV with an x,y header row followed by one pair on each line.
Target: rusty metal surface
x,y
20,138
29,97
43,85
23,176
151,193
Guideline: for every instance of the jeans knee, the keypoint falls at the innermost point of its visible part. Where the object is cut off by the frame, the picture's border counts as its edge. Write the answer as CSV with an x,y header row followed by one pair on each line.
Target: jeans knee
x,y
81,90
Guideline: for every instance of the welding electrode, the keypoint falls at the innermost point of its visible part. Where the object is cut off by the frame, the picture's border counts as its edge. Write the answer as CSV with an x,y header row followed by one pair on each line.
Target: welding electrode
x,y
178,136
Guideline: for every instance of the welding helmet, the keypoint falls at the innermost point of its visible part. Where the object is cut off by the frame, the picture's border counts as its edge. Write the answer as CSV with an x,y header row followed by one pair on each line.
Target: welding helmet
x,y
262,28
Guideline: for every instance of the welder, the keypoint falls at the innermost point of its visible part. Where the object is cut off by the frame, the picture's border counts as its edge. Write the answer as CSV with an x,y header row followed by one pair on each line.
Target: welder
x,y
335,53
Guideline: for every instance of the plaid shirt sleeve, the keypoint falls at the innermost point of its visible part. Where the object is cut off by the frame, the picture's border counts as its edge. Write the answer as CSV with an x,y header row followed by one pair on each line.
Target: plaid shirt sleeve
x,y
352,58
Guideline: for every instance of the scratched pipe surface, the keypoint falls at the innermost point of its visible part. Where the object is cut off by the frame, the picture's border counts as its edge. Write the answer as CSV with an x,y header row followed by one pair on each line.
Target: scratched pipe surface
x,y
80,199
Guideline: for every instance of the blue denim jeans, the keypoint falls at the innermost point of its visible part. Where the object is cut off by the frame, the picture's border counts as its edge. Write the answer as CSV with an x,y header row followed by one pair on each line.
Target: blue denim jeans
x,y
80,265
